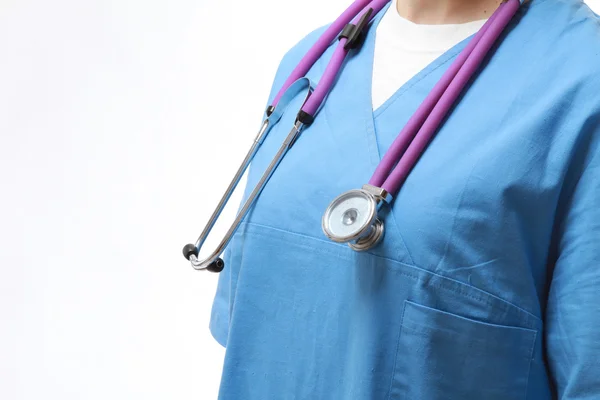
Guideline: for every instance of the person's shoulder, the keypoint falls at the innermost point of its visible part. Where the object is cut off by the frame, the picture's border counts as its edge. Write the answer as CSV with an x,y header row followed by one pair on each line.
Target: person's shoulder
x,y
575,46
294,54
292,57
572,30
561,41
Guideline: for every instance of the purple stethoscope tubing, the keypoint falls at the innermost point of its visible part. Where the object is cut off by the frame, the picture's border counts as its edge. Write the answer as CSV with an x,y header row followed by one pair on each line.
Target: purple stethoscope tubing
x,y
351,14
434,118
422,126
335,64
411,128
320,46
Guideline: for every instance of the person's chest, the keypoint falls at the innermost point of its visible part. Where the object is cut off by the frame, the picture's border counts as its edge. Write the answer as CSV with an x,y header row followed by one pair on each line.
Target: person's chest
x,y
479,205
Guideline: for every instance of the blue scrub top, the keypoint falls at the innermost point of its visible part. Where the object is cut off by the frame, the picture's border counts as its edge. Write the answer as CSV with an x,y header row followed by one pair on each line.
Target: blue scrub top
x,y
487,282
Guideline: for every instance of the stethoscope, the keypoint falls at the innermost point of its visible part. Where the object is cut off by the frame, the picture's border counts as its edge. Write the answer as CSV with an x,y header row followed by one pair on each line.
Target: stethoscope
x,y
353,217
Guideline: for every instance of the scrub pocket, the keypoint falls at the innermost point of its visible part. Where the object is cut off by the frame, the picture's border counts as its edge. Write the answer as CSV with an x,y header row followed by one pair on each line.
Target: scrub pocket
x,y
446,356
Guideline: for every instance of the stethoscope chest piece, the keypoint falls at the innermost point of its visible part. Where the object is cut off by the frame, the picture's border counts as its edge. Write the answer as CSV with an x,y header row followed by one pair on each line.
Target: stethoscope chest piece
x,y
352,218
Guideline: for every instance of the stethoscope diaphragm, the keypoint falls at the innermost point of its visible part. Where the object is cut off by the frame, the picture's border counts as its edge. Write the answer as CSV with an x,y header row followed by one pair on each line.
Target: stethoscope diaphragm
x,y
352,218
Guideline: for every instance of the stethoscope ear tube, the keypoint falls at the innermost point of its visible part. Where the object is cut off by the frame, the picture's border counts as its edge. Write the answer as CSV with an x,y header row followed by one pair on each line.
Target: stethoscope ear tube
x,y
213,262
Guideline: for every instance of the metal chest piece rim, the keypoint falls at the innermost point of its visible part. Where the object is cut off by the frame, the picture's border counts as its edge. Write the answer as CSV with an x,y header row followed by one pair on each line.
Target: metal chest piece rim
x,y
352,218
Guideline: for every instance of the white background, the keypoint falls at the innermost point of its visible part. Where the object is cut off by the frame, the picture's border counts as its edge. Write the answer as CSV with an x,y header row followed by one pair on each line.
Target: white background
x,y
120,122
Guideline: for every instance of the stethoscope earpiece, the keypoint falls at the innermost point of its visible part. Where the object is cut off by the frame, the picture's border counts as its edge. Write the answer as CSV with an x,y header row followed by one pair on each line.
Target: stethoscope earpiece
x,y
190,252
216,266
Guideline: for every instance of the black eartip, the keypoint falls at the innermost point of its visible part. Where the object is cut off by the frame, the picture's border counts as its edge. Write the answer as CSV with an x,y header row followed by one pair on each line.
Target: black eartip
x,y
188,250
216,266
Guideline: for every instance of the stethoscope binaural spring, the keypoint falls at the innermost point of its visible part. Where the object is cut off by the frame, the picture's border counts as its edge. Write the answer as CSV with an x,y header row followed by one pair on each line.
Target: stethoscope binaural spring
x,y
354,216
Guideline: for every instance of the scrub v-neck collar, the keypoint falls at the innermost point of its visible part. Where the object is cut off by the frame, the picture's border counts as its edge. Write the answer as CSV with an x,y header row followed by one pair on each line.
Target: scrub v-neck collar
x,y
350,107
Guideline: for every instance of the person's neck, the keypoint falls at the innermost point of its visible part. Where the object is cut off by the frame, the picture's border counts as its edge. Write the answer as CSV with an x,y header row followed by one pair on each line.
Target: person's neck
x,y
434,12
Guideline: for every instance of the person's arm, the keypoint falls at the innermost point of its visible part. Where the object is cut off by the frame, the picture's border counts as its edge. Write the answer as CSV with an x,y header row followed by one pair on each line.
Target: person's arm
x,y
573,309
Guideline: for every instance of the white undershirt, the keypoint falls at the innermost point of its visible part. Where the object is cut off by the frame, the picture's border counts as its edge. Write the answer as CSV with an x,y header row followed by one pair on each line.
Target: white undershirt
x,y
403,48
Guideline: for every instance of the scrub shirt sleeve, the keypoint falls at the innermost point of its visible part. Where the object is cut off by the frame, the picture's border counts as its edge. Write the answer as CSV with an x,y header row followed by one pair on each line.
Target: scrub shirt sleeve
x,y
221,308
573,309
